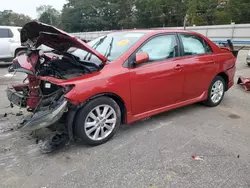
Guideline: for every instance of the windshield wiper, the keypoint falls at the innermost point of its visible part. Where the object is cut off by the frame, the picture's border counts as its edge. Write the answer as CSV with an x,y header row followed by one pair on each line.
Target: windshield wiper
x,y
94,47
108,51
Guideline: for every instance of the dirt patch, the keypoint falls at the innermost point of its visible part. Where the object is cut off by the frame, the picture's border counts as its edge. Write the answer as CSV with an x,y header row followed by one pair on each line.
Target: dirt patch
x,y
234,116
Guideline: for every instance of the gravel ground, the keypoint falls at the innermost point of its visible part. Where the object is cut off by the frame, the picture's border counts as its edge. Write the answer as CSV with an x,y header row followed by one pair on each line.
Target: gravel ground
x,y
153,153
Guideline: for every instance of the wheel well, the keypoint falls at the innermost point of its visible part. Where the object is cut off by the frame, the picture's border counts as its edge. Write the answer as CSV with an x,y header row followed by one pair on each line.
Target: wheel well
x,y
18,50
225,77
118,100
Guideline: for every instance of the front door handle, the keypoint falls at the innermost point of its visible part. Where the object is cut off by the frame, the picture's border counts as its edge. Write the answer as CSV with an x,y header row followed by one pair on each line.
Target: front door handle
x,y
178,67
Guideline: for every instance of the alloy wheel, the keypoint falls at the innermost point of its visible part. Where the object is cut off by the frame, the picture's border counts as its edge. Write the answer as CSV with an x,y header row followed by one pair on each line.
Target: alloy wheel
x,y
217,91
100,122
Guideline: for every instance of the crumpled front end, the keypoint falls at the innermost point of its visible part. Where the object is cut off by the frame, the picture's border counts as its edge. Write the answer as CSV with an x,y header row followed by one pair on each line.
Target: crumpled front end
x,y
45,109
45,118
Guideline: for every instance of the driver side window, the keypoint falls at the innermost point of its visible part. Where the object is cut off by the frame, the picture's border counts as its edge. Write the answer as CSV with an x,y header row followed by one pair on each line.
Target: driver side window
x,y
161,47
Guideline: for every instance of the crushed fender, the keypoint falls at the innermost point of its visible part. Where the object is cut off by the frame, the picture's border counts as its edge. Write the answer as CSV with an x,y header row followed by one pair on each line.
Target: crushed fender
x,y
245,82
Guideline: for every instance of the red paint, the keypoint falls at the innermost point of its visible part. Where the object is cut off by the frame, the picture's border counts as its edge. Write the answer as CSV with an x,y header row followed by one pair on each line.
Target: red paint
x,y
155,87
34,92
141,58
245,82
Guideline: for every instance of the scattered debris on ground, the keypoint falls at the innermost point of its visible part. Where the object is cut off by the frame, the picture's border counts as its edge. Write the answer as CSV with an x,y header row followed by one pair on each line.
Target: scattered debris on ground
x,y
245,82
198,158
20,113
56,142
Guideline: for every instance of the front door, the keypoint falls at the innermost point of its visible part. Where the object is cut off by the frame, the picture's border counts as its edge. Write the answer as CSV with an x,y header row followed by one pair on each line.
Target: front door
x,y
159,82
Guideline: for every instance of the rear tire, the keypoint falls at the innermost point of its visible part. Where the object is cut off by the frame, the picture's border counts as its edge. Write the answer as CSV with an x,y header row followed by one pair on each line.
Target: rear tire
x,y
97,121
216,92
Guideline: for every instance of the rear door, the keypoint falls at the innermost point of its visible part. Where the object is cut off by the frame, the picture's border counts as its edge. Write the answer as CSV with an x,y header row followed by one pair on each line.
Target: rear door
x,y
199,65
5,40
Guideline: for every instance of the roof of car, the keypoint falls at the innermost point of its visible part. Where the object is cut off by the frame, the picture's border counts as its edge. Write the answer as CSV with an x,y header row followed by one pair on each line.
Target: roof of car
x,y
156,31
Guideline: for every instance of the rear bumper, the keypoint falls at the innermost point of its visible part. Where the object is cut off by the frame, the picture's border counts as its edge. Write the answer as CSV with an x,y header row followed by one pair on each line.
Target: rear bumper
x,y
231,74
230,84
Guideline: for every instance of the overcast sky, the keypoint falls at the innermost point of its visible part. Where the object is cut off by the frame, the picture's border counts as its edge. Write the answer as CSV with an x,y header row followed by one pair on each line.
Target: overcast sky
x,y
28,7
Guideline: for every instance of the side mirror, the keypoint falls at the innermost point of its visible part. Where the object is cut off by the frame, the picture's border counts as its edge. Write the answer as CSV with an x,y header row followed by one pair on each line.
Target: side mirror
x,y
141,57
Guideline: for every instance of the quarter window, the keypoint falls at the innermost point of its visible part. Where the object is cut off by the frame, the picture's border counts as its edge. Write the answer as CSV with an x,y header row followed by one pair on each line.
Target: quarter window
x,y
194,45
161,47
5,33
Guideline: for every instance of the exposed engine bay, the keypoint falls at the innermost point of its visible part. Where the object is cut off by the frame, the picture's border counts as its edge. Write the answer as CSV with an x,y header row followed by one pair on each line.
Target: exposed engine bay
x,y
65,66
38,93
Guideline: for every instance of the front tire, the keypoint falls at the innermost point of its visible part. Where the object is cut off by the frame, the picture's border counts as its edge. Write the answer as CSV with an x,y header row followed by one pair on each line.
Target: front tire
x,y
216,92
98,121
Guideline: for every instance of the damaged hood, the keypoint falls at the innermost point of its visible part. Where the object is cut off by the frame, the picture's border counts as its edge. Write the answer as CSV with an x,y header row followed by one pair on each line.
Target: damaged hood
x,y
36,34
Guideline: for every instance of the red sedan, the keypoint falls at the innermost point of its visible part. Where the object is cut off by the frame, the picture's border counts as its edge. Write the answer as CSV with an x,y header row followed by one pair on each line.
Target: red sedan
x,y
115,79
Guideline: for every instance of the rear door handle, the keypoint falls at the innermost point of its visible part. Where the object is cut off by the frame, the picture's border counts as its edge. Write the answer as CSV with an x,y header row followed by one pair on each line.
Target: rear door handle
x,y
178,67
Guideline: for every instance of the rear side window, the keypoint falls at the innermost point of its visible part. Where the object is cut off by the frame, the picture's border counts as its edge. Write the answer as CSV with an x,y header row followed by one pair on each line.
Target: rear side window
x,y
194,45
5,33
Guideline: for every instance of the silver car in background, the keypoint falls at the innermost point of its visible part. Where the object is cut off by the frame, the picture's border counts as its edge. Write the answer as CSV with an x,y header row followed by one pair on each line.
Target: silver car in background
x,y
9,42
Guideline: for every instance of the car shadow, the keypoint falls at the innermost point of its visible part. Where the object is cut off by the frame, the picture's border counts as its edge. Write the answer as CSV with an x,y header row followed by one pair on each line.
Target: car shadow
x,y
5,64
138,126
164,116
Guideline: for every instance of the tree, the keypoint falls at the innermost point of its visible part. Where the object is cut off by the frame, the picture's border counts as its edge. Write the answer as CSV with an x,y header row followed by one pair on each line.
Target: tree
x,y
238,11
201,12
95,15
90,15
49,15
10,18
156,13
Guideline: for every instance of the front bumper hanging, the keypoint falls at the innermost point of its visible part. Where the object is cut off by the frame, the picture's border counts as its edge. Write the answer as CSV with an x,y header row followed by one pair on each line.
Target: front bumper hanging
x,y
44,118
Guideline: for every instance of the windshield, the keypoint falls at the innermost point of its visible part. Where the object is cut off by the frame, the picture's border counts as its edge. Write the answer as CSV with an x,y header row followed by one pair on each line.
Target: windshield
x,y
111,46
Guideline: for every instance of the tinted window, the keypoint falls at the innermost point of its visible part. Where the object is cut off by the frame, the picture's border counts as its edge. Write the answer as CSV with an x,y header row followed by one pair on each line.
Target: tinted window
x,y
4,33
160,47
10,33
194,45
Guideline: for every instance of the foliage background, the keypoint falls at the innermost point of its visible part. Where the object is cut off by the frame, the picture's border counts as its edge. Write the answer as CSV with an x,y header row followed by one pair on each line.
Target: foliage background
x,y
94,15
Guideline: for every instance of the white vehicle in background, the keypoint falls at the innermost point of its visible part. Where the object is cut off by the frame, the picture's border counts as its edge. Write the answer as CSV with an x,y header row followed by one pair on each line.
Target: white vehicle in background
x,y
9,42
